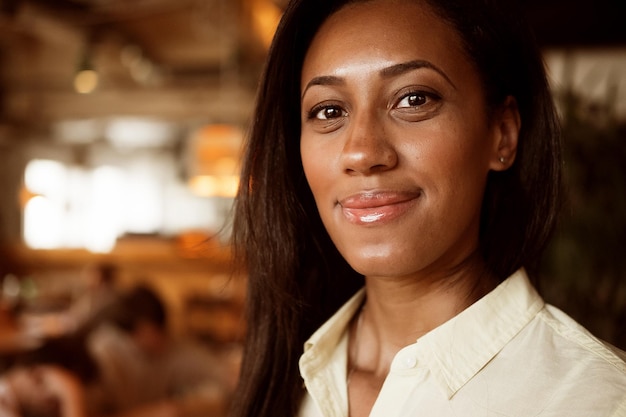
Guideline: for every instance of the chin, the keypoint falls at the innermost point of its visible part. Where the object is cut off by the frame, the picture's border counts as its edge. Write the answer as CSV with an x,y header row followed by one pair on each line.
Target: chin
x,y
377,265
391,260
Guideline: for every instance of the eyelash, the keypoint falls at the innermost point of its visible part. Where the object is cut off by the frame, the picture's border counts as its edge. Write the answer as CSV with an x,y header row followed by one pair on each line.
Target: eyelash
x,y
315,111
425,96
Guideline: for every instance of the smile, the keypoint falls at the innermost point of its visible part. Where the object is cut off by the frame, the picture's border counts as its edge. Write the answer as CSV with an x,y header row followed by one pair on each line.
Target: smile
x,y
373,208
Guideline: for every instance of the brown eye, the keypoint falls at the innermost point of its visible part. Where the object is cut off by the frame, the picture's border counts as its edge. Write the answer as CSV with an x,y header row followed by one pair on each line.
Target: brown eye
x,y
327,113
413,100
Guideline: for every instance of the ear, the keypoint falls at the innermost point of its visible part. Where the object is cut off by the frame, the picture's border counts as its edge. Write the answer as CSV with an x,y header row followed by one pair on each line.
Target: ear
x,y
506,125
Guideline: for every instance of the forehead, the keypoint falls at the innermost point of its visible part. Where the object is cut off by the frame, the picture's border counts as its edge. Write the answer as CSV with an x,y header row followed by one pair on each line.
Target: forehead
x,y
383,31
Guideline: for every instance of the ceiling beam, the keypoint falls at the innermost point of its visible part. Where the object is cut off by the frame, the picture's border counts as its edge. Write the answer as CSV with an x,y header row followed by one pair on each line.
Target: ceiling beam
x,y
213,104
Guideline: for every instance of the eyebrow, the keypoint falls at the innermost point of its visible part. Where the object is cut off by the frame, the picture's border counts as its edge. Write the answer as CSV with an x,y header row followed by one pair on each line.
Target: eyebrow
x,y
405,67
323,80
388,72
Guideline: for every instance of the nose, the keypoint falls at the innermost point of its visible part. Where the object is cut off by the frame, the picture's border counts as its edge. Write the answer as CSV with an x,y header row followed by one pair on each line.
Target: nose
x,y
367,148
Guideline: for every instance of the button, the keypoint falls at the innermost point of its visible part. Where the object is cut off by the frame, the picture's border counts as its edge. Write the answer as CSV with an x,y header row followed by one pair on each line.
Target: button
x,y
410,362
407,359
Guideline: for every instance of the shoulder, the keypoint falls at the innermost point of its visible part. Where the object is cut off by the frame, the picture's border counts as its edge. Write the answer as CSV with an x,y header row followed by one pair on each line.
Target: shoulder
x,y
575,367
554,366
579,342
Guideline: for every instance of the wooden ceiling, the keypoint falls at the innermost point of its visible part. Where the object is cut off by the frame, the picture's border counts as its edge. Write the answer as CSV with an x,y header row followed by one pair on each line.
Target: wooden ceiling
x,y
177,59
185,59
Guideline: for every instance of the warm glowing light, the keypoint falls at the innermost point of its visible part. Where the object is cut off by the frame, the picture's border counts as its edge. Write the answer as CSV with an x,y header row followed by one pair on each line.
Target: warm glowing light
x,y
66,206
143,208
214,186
214,161
43,220
86,81
43,176
43,198
70,207
106,210
225,165
266,16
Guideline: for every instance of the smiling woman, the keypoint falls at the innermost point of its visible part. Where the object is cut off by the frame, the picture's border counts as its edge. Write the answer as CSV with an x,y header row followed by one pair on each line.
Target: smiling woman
x,y
403,178
395,135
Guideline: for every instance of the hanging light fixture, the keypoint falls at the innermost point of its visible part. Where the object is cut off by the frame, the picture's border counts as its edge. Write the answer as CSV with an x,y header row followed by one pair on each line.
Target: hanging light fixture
x,y
86,77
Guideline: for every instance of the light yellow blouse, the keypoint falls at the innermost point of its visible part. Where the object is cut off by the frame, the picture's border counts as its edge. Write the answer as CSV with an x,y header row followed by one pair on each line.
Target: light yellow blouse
x,y
507,355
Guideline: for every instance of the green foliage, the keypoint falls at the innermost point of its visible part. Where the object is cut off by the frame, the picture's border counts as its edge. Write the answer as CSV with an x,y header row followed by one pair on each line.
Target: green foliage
x,y
584,271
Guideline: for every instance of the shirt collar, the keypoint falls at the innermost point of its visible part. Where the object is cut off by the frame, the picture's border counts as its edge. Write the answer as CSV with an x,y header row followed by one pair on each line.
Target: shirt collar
x,y
455,351
319,347
459,348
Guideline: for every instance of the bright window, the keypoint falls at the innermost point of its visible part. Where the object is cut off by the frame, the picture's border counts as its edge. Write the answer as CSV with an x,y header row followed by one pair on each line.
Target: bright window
x,y
79,207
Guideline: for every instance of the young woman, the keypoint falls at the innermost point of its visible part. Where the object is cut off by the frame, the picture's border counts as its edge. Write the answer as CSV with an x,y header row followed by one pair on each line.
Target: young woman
x,y
409,148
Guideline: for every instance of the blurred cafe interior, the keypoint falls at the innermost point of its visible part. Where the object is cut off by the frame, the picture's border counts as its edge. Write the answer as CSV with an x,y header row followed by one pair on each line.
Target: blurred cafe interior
x,y
121,125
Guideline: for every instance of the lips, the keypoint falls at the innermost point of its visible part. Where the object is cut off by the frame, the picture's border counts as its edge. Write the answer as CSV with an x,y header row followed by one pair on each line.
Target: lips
x,y
374,208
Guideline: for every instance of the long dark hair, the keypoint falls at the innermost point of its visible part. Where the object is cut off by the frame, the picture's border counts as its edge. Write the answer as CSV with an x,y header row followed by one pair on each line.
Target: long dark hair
x,y
296,277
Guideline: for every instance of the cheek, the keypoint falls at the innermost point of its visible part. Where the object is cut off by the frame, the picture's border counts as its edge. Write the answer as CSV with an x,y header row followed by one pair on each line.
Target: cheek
x,y
320,175
460,148
316,165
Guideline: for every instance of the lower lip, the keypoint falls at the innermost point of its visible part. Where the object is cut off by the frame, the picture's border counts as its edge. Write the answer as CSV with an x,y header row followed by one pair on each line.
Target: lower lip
x,y
376,215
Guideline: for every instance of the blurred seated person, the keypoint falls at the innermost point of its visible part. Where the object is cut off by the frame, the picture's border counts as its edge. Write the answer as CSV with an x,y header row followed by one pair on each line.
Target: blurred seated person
x,y
41,391
58,379
99,293
12,338
147,372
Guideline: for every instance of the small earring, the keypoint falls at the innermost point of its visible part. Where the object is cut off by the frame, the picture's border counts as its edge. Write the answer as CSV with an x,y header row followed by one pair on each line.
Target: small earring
x,y
502,159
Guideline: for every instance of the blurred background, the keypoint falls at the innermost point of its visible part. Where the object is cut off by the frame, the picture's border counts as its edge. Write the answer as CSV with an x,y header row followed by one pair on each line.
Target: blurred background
x,y
121,123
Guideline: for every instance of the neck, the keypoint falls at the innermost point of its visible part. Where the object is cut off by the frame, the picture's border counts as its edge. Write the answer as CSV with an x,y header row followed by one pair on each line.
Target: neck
x,y
400,311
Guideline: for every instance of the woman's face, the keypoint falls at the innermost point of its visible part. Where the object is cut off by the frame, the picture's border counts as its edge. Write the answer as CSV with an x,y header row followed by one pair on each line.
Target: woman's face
x,y
396,142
